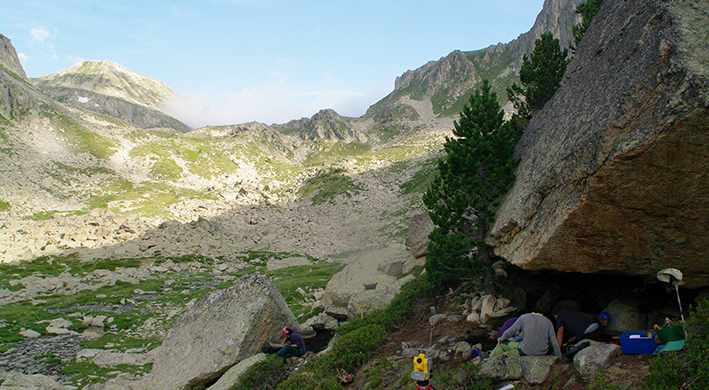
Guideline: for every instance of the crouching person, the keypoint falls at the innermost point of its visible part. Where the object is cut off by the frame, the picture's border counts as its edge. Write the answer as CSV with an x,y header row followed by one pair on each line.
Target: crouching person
x,y
294,343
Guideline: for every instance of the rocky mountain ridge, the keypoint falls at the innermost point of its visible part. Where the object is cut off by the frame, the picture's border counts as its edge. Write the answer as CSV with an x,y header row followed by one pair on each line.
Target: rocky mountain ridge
x,y
448,82
611,181
62,159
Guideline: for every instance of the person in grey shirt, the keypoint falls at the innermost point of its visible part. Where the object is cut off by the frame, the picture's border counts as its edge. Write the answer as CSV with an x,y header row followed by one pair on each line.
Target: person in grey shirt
x,y
537,336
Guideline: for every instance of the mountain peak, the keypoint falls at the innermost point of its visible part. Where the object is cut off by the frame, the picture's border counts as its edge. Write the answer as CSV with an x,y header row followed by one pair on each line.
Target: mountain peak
x,y
111,79
8,56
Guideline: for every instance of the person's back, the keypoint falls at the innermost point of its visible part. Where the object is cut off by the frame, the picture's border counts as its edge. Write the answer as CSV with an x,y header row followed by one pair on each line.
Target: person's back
x,y
297,339
538,335
574,322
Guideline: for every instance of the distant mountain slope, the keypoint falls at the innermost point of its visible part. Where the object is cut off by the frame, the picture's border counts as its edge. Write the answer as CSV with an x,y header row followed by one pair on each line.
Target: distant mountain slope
x,y
110,79
111,89
448,82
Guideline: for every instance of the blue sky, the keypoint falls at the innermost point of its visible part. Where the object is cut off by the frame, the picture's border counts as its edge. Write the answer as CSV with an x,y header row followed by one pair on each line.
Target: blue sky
x,y
261,60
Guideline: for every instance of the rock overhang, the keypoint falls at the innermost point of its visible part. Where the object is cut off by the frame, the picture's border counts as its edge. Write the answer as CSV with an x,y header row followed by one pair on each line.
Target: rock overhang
x,y
613,170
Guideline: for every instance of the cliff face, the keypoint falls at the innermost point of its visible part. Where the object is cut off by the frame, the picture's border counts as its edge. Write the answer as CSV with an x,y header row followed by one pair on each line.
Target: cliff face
x,y
449,81
613,172
8,56
15,96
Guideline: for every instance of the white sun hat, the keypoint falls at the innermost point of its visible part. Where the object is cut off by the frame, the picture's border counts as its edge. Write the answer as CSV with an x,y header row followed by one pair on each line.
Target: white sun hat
x,y
667,274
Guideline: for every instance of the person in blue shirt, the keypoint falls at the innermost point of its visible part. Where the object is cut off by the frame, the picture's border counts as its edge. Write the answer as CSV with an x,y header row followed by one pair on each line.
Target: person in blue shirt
x,y
294,343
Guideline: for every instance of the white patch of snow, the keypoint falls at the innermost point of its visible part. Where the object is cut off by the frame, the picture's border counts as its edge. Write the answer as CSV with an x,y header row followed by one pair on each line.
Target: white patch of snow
x,y
83,99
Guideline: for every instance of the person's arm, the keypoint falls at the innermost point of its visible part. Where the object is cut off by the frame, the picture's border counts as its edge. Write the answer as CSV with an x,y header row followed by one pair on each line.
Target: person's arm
x,y
554,342
560,335
511,330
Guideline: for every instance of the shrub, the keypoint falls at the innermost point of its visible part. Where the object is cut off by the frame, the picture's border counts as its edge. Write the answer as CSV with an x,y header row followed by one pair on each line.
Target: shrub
x,y
348,353
687,368
266,374
465,377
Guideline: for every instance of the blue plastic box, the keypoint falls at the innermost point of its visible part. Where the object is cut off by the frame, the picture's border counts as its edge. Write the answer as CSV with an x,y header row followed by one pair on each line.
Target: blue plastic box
x,y
637,342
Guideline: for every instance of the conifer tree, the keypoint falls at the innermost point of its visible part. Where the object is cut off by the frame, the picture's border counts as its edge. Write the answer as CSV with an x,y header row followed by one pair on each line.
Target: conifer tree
x,y
540,76
477,170
587,10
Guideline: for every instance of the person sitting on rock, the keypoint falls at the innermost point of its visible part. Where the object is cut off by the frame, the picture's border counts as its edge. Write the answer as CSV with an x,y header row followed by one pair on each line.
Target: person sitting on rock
x,y
537,336
294,343
577,326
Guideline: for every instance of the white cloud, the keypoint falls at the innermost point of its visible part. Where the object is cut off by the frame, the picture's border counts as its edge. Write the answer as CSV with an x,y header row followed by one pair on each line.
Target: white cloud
x,y
22,56
269,105
39,34
41,39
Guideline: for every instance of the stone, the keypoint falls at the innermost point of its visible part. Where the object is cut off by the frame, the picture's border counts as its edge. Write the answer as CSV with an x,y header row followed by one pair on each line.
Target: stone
x,y
345,294
30,334
461,347
420,227
220,330
409,353
19,381
229,379
611,173
624,316
487,307
511,366
436,318
473,317
501,303
113,359
595,357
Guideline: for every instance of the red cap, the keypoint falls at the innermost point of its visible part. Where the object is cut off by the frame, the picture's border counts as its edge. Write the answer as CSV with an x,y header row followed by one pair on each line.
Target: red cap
x,y
285,330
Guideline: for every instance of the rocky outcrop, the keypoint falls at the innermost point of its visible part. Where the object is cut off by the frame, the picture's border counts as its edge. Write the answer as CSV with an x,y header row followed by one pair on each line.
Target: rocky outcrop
x,y
420,227
450,77
135,114
448,81
512,366
15,96
8,57
369,281
223,328
16,380
596,357
327,124
613,169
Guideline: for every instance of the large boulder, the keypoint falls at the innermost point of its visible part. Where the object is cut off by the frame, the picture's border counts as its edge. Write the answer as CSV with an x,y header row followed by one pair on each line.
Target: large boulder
x,y
595,357
511,366
220,330
624,316
364,285
420,227
613,169
19,381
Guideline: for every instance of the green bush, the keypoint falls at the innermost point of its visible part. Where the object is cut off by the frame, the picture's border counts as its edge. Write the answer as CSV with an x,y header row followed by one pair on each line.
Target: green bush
x,y
465,377
689,367
266,374
348,353
359,340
